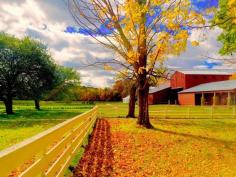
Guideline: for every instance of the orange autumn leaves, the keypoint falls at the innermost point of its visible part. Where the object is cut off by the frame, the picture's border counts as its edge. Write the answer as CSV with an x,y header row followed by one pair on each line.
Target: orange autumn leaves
x,y
98,157
175,148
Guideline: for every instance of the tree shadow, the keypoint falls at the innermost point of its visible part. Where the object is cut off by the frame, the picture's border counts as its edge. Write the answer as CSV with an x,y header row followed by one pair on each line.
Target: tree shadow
x,y
193,123
227,144
98,157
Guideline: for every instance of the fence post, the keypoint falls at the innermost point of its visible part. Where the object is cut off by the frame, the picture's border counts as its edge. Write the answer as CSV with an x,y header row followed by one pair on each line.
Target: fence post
x,y
100,114
234,115
188,115
165,116
212,112
117,113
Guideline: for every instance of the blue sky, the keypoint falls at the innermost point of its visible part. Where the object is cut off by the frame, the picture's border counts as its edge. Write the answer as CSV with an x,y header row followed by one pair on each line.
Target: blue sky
x,y
47,20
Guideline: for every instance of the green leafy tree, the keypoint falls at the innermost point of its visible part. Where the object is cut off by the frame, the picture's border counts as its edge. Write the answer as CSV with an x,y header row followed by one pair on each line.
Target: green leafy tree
x,y
11,67
225,18
11,70
66,79
39,70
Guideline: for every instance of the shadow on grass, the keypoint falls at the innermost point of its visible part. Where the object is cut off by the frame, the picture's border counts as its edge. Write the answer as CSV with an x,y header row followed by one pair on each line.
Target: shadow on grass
x,y
215,124
227,144
199,118
98,157
42,114
26,123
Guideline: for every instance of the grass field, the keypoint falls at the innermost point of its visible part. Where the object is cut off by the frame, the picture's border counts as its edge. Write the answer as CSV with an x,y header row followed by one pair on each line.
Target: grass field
x,y
186,140
174,148
116,109
27,122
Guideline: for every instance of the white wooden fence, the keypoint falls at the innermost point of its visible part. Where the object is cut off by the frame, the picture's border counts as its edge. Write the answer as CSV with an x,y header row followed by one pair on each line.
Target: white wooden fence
x,y
50,152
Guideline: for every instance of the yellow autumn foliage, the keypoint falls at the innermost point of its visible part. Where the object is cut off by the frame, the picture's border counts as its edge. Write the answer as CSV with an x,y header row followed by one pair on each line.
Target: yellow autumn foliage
x,y
195,43
139,41
107,67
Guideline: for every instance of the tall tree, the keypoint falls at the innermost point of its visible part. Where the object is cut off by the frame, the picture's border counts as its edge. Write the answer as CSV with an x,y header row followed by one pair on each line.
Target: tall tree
x,y
39,69
10,73
143,33
11,69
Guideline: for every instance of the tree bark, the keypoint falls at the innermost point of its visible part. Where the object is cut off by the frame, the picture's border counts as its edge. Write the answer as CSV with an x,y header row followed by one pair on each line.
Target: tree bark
x,y
143,85
37,105
143,90
131,112
8,105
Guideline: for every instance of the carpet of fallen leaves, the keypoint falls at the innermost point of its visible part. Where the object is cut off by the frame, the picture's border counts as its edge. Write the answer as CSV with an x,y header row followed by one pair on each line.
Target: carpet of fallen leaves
x,y
174,148
98,158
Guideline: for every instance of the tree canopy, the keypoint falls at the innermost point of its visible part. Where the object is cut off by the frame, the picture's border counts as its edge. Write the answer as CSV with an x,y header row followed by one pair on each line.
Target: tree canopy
x,y
226,20
39,69
28,71
142,33
11,69
66,81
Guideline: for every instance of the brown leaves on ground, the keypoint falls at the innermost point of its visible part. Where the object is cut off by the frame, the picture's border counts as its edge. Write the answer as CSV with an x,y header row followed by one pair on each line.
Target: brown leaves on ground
x,y
175,148
98,158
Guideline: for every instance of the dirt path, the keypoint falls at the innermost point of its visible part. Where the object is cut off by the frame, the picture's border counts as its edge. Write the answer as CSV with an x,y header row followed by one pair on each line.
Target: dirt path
x,y
98,157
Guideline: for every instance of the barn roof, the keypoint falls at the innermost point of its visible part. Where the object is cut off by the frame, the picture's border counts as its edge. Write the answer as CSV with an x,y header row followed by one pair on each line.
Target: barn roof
x,y
207,71
212,86
159,88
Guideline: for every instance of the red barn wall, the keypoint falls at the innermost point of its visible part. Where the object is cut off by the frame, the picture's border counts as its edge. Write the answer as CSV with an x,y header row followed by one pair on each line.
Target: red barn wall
x,y
186,99
177,80
185,81
150,99
194,80
160,97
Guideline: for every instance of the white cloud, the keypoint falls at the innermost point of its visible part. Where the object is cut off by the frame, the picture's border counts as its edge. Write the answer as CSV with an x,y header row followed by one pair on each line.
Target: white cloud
x,y
91,78
46,20
194,57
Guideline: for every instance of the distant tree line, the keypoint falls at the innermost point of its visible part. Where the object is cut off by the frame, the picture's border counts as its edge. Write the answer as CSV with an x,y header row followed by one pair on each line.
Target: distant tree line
x,y
27,71
115,93
90,94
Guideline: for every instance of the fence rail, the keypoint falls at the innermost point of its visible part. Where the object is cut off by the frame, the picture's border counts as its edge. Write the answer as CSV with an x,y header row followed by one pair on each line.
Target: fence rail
x,y
173,111
48,153
189,113
24,107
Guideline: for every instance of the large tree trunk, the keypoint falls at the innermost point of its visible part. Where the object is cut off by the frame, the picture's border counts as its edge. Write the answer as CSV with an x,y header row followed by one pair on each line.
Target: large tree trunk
x,y
143,89
143,84
131,112
37,105
8,105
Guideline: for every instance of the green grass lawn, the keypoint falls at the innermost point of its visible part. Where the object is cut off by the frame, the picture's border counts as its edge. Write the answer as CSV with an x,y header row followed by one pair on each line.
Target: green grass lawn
x,y
27,122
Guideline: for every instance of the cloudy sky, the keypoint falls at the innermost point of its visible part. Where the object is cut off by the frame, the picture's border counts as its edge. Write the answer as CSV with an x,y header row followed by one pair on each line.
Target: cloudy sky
x,y
47,20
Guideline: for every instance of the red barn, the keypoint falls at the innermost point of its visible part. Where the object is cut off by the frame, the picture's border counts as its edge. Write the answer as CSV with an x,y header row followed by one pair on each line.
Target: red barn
x,y
184,79
160,94
189,78
213,93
